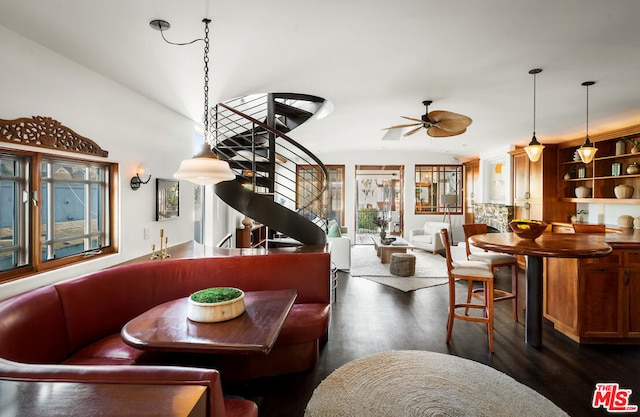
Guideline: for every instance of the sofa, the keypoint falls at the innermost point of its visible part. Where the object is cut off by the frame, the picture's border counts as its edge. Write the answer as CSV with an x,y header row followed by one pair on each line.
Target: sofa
x,y
339,246
428,237
70,331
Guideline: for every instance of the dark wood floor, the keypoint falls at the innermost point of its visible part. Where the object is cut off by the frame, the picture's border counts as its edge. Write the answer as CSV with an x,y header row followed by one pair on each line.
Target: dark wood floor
x,y
368,318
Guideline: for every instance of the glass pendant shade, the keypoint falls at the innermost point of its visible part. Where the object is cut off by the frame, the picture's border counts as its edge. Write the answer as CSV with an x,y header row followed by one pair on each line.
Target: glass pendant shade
x,y
204,169
587,151
534,150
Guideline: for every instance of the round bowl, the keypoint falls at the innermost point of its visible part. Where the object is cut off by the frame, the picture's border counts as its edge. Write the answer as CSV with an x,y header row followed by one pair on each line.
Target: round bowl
x,y
623,191
216,312
527,229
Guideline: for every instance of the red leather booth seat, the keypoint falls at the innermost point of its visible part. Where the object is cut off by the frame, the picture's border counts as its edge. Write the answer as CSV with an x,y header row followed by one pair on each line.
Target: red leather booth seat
x,y
74,326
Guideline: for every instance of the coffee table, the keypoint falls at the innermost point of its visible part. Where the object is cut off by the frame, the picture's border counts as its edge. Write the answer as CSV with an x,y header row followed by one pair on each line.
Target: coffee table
x,y
384,251
166,328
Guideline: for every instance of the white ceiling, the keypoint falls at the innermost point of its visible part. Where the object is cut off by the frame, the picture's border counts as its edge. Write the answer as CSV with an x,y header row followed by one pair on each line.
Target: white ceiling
x,y
374,60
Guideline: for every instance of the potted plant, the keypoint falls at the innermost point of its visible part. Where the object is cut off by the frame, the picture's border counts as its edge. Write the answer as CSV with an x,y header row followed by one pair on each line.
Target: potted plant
x,y
576,216
216,304
382,224
635,144
571,170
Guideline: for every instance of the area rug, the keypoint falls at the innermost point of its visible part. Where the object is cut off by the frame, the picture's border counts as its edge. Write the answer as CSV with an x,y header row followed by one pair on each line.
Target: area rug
x,y
407,284
416,383
364,262
431,270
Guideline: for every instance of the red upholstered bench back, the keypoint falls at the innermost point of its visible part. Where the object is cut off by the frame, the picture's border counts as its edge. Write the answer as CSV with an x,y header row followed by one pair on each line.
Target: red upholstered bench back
x,y
101,303
32,327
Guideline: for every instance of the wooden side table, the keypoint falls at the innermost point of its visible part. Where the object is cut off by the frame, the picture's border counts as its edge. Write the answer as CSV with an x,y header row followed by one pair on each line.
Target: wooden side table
x,y
49,399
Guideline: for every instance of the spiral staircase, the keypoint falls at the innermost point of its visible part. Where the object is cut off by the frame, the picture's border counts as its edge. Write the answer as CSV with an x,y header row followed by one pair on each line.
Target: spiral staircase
x,y
279,182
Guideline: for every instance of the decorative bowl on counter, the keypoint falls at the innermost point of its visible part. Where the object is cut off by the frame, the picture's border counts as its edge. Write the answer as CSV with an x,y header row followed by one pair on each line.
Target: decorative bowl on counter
x,y
623,191
528,229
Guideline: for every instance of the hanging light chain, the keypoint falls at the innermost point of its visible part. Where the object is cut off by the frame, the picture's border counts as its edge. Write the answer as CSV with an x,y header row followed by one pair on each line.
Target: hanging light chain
x,y
206,79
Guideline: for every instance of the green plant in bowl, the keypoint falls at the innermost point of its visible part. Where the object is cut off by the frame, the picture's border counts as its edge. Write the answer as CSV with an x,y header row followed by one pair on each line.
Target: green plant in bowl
x,y
215,295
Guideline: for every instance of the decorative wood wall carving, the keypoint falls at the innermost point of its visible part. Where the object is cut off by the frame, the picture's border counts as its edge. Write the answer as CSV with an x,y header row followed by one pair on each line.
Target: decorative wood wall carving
x,y
47,133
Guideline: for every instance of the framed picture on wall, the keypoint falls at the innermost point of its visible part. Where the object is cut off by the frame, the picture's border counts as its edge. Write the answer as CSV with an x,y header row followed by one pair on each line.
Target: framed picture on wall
x,y
167,199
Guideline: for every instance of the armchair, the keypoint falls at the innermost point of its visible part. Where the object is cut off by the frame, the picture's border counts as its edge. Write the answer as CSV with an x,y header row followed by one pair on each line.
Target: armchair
x,y
428,237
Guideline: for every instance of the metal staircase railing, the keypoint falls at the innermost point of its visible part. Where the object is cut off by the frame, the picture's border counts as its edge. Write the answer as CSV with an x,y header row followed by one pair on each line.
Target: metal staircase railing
x,y
249,133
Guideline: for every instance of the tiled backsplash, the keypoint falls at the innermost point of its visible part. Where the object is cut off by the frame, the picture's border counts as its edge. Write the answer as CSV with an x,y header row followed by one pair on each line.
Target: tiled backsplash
x,y
497,216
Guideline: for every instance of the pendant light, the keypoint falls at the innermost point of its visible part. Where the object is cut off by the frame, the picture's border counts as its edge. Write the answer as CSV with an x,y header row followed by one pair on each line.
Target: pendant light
x,y
534,148
205,168
587,151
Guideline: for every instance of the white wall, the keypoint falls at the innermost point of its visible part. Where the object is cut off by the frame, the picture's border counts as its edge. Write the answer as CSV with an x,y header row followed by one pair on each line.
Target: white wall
x,y
34,81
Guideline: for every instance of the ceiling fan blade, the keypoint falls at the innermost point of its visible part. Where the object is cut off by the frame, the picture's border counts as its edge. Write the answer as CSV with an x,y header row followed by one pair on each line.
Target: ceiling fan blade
x,y
436,132
401,126
452,122
415,120
412,131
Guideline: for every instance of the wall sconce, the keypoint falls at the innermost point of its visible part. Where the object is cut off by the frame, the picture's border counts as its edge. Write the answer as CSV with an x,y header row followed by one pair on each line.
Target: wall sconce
x,y
136,180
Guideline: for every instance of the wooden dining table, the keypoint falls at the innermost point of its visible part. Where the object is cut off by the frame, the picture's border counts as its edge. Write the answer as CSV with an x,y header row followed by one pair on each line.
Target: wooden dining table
x,y
166,328
554,245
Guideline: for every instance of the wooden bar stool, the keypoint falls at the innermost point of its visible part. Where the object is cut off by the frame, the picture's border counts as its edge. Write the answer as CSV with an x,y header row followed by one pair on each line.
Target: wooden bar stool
x,y
469,271
495,260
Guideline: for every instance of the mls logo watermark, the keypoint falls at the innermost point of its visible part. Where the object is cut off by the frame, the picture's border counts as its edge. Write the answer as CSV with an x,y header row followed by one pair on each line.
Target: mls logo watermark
x,y
613,398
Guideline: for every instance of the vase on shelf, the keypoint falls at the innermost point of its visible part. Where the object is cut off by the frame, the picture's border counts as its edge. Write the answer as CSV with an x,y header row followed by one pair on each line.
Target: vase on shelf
x,y
635,149
633,169
620,147
583,192
623,191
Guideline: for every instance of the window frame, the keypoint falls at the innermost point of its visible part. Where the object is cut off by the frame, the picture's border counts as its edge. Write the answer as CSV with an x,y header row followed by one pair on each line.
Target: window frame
x,y
440,170
34,186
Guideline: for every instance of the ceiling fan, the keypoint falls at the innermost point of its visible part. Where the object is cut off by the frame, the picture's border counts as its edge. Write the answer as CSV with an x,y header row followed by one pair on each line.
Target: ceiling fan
x,y
439,123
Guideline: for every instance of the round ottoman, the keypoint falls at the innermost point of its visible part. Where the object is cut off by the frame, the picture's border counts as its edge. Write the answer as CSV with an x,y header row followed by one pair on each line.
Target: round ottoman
x,y
402,264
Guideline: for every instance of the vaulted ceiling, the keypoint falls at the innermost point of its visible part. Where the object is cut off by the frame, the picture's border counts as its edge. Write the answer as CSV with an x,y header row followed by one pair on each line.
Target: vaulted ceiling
x,y
374,60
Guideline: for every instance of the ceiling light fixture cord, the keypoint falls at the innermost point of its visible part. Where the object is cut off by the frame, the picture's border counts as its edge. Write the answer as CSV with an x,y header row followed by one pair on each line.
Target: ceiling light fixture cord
x,y
534,104
161,29
587,85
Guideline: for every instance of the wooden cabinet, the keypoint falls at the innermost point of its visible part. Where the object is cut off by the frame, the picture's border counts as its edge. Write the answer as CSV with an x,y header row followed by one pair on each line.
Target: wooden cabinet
x,y
471,188
535,187
252,237
595,300
604,173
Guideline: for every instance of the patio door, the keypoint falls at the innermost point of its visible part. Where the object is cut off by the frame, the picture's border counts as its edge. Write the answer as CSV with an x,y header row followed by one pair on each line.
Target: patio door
x,y
379,201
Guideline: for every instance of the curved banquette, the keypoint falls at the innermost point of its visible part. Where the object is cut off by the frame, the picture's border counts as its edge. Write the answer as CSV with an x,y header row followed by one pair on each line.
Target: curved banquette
x,y
70,331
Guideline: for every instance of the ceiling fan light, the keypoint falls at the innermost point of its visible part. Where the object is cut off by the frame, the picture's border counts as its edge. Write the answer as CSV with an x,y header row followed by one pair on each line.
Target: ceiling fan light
x,y
534,149
587,151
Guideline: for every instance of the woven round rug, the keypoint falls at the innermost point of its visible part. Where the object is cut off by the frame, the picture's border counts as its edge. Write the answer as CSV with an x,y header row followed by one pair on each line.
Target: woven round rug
x,y
416,383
